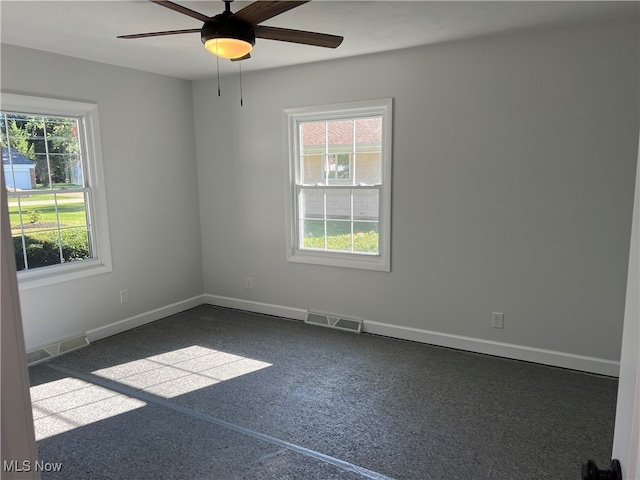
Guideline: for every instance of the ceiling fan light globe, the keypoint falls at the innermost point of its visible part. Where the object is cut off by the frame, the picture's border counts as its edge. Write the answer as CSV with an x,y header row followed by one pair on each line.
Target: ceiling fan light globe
x,y
228,47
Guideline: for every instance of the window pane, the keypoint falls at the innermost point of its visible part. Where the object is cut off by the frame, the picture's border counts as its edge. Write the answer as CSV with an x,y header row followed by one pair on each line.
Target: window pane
x,y
368,168
366,204
74,174
312,136
72,209
339,235
338,167
42,170
339,204
340,136
313,233
75,244
365,237
14,213
38,213
66,171
312,203
19,252
42,249
19,170
368,134
312,169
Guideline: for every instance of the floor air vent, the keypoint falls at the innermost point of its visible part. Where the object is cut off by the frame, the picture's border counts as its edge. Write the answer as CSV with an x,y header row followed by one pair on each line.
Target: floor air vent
x,y
334,321
55,349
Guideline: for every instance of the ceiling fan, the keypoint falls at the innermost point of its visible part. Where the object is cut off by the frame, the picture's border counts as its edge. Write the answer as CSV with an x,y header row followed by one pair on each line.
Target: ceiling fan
x,y
233,35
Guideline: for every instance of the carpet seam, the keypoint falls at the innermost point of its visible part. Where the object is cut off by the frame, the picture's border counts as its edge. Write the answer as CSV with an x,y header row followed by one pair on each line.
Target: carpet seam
x,y
154,399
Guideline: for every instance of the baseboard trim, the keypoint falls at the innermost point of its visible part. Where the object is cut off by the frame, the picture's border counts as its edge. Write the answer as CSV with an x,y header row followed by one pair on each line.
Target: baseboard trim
x,y
507,350
143,318
499,349
256,307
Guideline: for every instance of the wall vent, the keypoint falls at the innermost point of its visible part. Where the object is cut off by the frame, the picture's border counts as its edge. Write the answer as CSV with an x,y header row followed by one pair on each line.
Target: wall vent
x,y
58,348
334,321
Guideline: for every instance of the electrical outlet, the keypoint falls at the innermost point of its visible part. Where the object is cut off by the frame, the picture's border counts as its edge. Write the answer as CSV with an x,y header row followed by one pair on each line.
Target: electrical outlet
x,y
497,320
249,283
124,296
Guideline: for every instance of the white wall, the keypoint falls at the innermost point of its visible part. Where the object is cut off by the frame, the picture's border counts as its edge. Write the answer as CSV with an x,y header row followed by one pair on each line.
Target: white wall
x,y
150,172
514,162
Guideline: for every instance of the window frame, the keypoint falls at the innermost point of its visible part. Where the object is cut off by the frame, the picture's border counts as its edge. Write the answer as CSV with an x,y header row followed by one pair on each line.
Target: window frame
x,y
87,113
292,117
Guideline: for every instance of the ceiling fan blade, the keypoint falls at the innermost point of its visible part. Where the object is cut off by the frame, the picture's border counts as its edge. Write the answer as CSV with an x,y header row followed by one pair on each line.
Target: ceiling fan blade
x,y
260,11
298,36
248,55
159,34
180,9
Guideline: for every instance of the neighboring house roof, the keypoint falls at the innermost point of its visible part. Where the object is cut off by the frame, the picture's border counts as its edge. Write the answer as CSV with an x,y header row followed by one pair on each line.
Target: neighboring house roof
x,y
16,158
368,131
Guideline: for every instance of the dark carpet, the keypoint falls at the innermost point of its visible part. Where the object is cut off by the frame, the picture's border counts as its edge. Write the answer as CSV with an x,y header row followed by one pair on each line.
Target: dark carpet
x,y
214,393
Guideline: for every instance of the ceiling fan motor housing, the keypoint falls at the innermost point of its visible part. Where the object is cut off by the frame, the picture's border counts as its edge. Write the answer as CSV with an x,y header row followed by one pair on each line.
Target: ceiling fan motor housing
x,y
227,26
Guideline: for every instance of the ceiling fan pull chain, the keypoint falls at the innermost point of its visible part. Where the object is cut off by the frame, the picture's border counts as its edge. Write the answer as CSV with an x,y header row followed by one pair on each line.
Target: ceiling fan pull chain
x,y
218,68
241,102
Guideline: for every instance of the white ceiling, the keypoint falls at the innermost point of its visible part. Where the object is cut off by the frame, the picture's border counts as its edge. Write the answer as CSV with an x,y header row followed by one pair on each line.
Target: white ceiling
x,y
88,29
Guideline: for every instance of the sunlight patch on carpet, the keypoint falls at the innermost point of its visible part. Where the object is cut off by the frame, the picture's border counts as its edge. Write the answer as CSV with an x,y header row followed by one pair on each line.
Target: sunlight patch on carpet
x,y
70,403
181,371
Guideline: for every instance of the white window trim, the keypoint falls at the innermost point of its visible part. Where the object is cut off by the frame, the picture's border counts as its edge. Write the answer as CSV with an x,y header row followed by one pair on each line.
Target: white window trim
x,y
291,119
102,263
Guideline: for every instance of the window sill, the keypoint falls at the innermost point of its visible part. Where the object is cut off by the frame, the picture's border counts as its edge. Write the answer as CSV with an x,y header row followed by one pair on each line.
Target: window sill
x,y
61,273
345,260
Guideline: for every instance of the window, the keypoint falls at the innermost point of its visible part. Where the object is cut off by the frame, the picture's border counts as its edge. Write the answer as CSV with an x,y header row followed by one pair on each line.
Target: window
x,y
52,167
339,189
